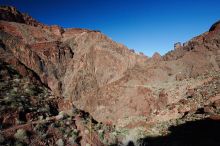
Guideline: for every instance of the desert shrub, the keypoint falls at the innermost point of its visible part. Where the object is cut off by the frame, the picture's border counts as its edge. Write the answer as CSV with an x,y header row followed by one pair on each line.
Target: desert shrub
x,y
113,137
42,128
141,53
30,92
132,50
73,135
40,117
101,134
60,142
21,135
170,74
17,121
17,143
2,139
72,140
13,93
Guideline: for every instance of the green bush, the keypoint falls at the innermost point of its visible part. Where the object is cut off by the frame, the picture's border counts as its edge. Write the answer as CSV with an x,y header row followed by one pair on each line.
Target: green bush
x,y
101,134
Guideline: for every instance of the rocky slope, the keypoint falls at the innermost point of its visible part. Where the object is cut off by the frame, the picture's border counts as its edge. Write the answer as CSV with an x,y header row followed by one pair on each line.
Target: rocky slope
x,y
118,87
32,115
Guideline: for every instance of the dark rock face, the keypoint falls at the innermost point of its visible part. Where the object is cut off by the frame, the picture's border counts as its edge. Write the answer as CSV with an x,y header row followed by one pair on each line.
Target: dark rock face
x,y
214,26
11,14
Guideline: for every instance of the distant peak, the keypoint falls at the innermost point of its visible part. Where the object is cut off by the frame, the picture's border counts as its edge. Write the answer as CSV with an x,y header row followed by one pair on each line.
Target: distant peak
x,y
10,8
11,14
156,56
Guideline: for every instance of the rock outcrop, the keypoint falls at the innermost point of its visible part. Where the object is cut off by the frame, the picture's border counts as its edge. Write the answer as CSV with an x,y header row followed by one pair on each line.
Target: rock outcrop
x,y
97,73
156,56
9,13
216,25
74,63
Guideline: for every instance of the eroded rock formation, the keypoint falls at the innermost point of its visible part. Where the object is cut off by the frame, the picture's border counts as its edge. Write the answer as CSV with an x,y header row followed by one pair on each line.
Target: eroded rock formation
x,y
114,84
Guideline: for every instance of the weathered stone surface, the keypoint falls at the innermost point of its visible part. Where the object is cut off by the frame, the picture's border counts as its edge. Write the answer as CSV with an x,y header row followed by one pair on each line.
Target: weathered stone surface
x,y
9,13
88,138
99,75
156,56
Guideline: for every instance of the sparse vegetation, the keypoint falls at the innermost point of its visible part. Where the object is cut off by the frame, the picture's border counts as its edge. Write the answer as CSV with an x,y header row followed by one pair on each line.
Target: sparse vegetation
x,y
101,134
21,135
2,139
60,142
133,96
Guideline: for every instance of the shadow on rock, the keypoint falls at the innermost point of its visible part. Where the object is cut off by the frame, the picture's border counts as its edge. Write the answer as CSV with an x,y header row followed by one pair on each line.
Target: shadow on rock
x,y
195,133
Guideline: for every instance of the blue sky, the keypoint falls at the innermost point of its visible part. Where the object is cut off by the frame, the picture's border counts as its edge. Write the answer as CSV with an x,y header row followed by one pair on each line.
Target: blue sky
x,y
147,26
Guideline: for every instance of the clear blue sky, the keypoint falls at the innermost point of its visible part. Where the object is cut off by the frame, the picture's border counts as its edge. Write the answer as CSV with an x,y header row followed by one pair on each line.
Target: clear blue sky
x,y
144,25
